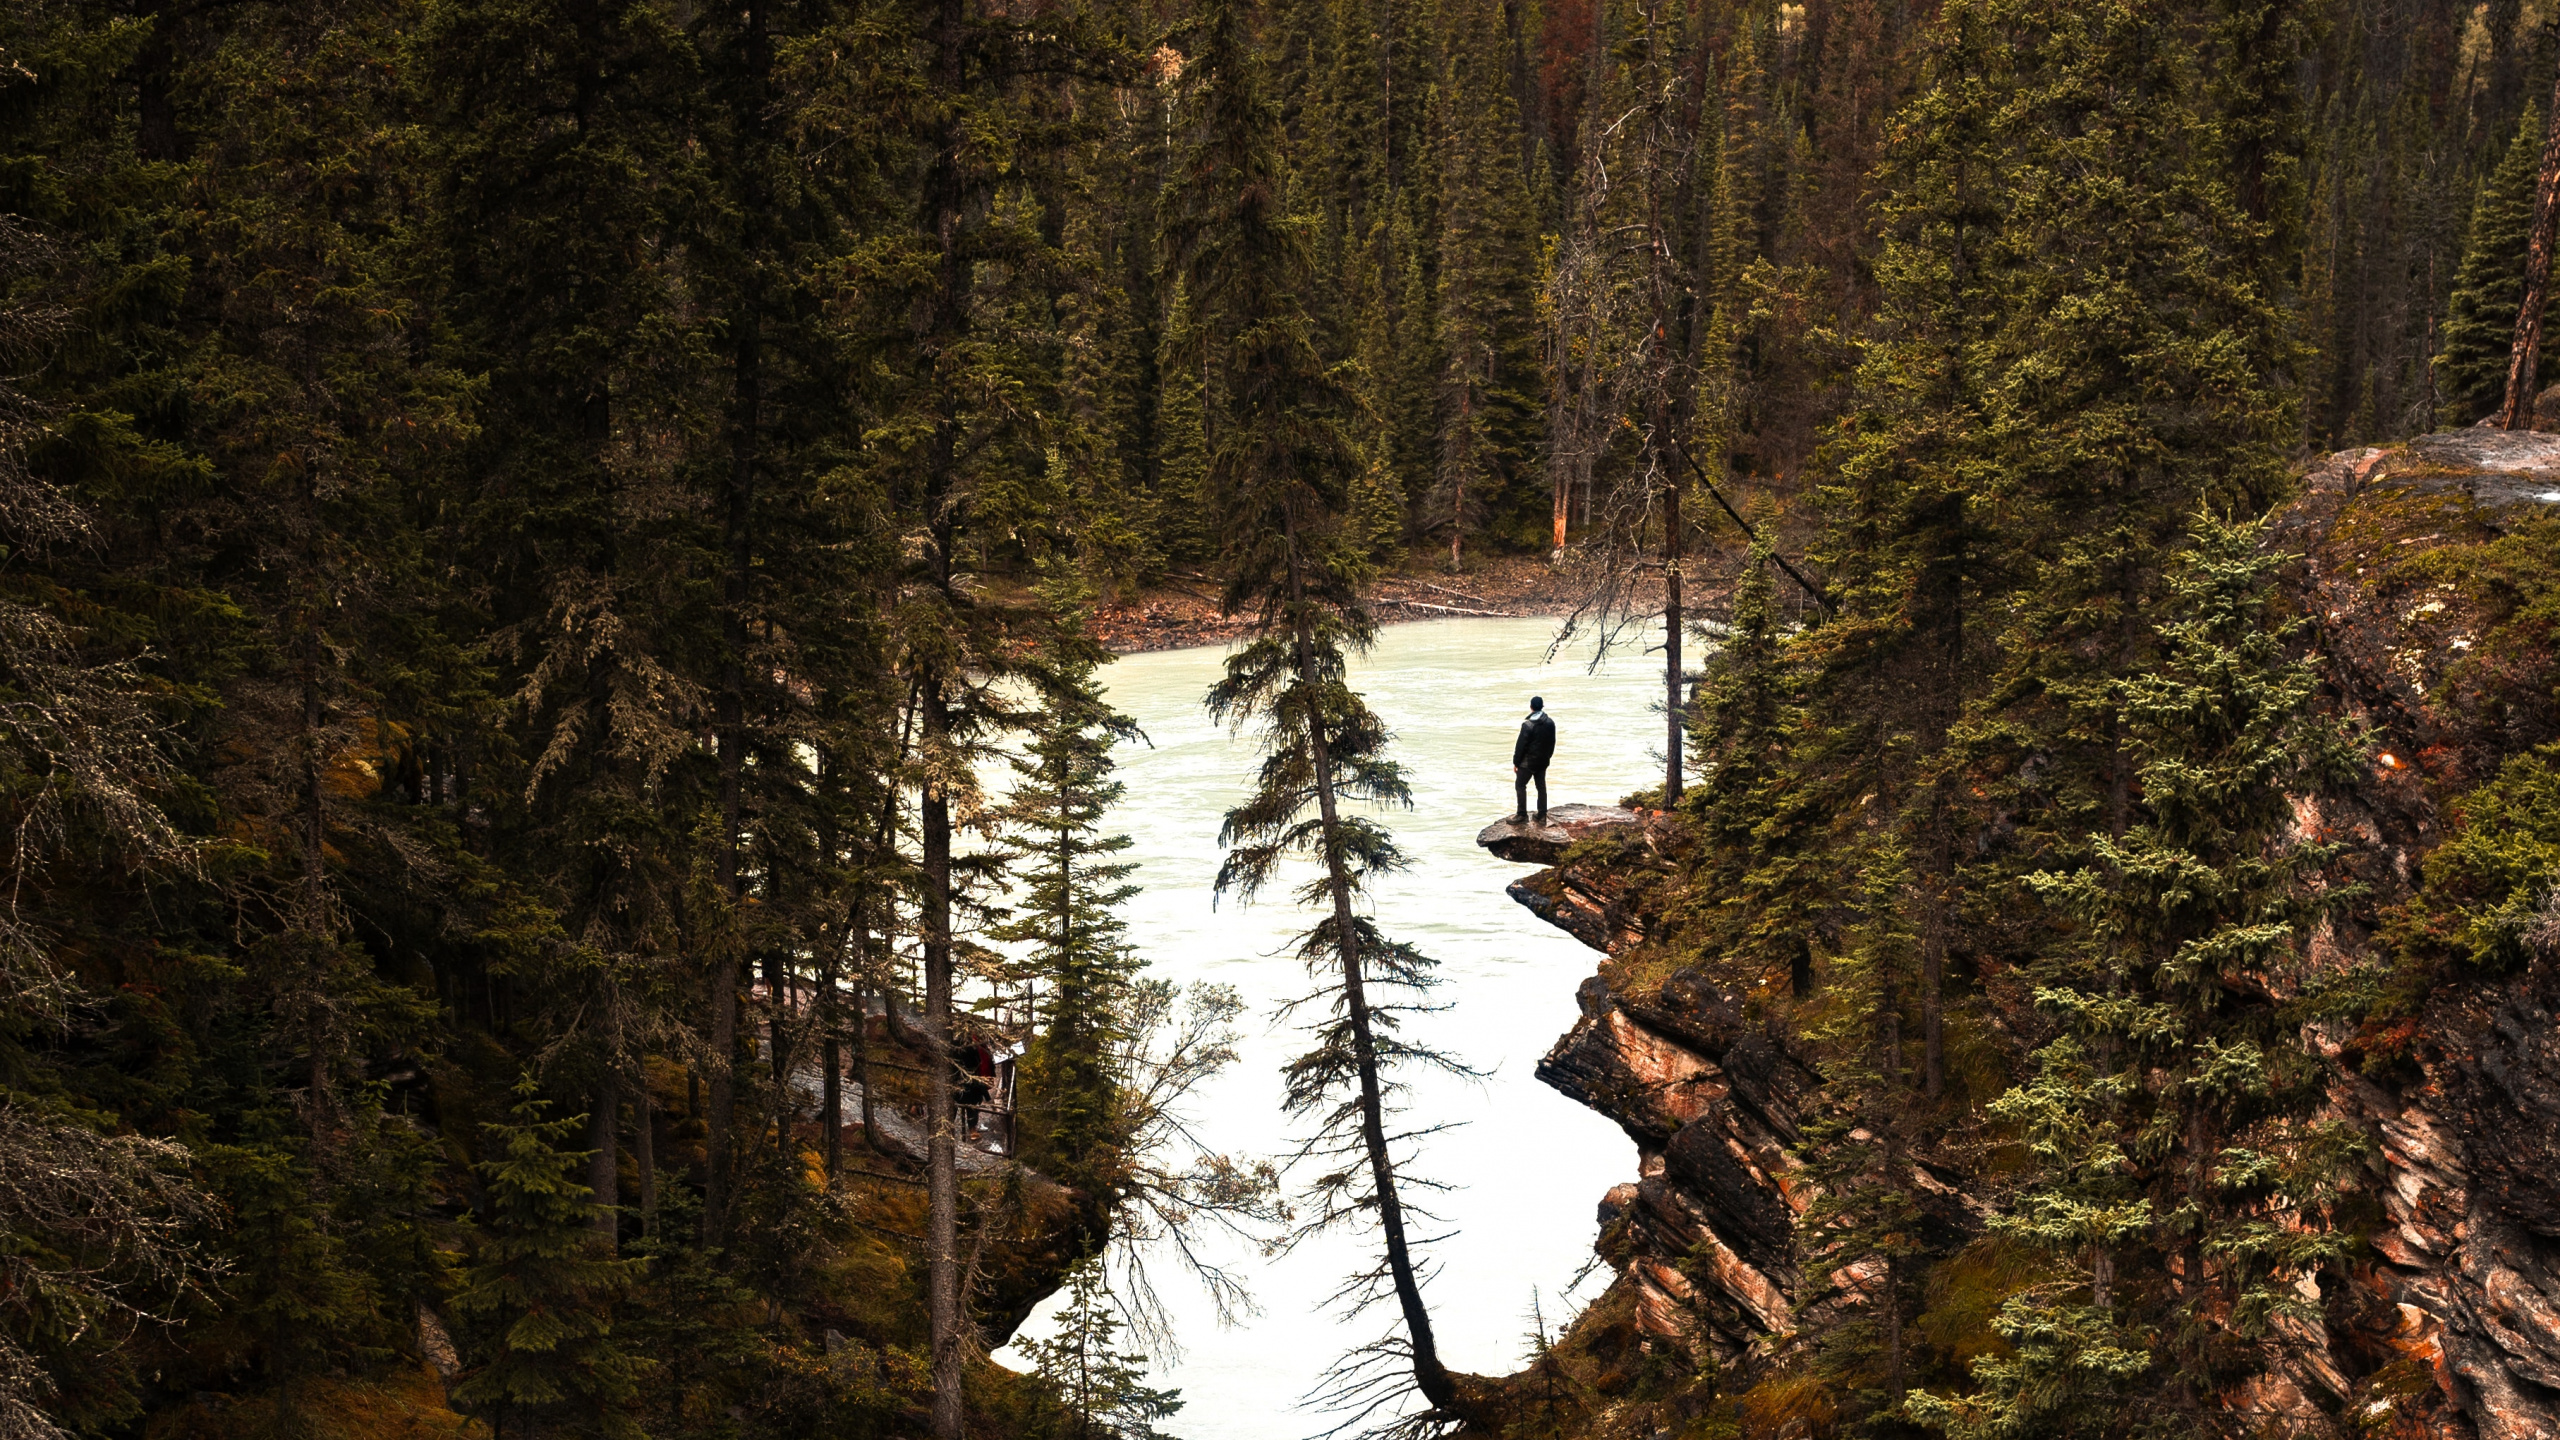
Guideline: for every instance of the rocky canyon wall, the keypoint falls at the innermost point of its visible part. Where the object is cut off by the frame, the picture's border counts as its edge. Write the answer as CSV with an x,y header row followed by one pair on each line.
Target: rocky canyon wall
x,y
2448,1323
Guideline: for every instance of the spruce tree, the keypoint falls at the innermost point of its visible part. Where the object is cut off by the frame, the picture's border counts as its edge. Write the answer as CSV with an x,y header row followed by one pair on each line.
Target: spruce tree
x,y
959,284
569,304
1906,540
1378,495
2182,1188
1488,410
1280,475
1746,815
1179,507
540,1287
2480,315
1350,144
1102,1389
1866,1233
1069,889
2135,381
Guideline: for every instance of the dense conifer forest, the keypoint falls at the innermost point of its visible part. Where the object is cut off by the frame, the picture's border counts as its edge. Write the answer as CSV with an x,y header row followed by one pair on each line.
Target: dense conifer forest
x,y
548,720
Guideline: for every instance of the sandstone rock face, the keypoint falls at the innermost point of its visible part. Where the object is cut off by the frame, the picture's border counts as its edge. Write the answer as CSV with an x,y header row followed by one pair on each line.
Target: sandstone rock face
x,y
1708,1228
2450,1329
1588,901
2465,1274
2468,1256
1705,1236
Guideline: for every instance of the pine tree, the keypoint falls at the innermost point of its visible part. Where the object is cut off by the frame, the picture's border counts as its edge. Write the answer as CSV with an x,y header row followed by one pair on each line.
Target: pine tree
x,y
1350,143
1378,495
1280,474
2135,382
1180,504
2480,315
1487,410
540,1286
959,283
1742,730
1866,1234
99,1222
1069,888
1906,535
2182,1187
1102,1388
1412,383
568,301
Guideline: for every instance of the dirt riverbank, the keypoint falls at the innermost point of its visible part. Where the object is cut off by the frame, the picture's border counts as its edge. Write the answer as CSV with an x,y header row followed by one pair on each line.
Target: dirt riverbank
x,y
1184,609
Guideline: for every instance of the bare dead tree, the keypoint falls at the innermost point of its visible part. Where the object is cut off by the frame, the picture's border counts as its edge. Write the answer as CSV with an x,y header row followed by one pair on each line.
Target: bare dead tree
x,y
95,1230
1623,371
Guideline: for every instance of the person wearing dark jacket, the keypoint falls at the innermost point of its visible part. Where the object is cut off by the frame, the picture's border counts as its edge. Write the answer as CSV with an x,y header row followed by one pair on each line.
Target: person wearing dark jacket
x,y
1529,757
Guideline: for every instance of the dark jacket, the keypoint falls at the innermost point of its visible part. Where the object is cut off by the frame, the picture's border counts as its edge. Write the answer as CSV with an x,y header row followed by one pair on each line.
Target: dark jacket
x,y
1536,745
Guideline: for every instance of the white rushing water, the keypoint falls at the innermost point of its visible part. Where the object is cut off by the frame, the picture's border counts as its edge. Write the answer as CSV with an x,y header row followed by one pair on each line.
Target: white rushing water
x,y
1525,1166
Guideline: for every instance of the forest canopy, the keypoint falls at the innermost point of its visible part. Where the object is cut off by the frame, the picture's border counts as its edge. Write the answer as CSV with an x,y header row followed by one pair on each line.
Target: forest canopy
x,y
531,524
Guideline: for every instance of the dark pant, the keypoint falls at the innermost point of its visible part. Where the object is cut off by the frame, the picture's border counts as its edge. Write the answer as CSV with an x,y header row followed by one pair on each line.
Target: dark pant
x,y
1520,778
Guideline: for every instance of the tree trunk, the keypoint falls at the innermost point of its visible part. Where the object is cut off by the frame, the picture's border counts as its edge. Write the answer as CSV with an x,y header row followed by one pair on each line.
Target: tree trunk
x,y
1563,504
777,1027
1676,733
831,1060
604,1167
315,925
1892,1317
862,1061
942,1180
644,1151
2525,357
945,213
1458,476
737,535
1933,955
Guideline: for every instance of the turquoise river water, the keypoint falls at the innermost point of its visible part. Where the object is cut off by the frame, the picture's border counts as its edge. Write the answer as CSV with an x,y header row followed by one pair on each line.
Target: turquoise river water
x,y
1525,1167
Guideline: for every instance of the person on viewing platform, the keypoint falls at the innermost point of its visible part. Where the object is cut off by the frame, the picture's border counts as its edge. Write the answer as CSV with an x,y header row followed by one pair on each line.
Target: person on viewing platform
x,y
1529,756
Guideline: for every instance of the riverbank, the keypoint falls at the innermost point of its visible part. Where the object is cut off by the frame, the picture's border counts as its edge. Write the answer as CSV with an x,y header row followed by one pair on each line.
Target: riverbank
x,y
1182,611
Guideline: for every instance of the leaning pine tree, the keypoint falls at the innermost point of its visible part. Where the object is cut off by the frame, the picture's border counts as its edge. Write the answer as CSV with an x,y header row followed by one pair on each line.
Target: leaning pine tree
x,y
1279,477
2182,1187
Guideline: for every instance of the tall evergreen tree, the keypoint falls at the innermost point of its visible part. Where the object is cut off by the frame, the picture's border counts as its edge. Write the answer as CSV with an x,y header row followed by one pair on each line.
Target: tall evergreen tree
x,y
1280,475
2134,385
542,1285
1488,410
1182,440
1071,885
2182,1187
2480,315
1102,1389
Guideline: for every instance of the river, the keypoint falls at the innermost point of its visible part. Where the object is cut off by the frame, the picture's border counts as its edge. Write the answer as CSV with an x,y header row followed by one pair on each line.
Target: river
x,y
1525,1166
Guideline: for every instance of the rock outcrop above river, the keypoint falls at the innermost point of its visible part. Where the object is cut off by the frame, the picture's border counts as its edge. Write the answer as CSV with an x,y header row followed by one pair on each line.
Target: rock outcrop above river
x,y
2448,1328
1535,843
1590,898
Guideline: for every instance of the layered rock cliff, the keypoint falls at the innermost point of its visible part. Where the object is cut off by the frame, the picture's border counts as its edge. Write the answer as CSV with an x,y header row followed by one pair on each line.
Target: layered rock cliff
x,y
2448,1323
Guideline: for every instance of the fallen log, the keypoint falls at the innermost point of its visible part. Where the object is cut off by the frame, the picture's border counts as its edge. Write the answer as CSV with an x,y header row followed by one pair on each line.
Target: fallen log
x,y
1447,609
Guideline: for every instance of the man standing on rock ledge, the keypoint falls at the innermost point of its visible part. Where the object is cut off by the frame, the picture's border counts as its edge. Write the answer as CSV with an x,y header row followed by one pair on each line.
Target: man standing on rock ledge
x,y
1529,756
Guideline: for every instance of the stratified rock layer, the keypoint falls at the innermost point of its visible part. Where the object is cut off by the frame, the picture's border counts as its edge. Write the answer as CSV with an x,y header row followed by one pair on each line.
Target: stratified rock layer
x,y
2450,1328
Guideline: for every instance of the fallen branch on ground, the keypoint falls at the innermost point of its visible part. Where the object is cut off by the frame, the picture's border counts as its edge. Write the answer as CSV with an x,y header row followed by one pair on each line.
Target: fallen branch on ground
x,y
1445,590
1447,609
